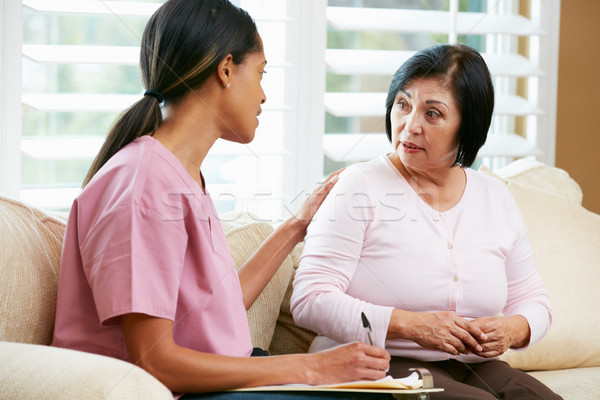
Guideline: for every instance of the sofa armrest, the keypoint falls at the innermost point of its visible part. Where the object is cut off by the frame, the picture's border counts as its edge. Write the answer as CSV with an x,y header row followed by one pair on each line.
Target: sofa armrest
x,y
29,371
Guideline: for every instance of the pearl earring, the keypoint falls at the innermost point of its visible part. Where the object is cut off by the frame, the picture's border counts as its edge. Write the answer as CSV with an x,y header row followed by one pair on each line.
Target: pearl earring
x,y
228,84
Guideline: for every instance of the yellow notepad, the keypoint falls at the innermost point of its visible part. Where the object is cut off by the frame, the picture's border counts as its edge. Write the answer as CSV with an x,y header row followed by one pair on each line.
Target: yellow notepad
x,y
410,384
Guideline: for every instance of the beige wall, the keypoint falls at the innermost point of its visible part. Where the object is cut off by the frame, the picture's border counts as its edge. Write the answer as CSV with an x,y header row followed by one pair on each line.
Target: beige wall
x,y
578,108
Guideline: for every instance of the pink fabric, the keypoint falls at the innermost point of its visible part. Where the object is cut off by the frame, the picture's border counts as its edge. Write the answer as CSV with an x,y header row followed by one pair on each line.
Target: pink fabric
x,y
144,238
375,246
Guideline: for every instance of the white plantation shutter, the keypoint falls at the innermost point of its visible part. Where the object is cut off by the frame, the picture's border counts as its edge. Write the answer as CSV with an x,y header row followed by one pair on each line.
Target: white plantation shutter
x,y
71,59
79,71
386,33
10,92
268,177
74,68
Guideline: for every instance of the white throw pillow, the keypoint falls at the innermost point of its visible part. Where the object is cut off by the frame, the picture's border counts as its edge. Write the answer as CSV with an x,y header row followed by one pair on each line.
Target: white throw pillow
x,y
244,237
565,238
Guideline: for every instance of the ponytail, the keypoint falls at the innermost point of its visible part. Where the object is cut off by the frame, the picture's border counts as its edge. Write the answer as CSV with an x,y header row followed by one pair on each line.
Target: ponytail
x,y
140,119
182,45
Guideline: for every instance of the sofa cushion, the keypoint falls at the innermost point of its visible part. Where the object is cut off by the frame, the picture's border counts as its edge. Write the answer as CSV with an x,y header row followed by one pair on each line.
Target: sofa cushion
x,y
564,237
541,176
289,338
572,384
44,372
31,243
245,235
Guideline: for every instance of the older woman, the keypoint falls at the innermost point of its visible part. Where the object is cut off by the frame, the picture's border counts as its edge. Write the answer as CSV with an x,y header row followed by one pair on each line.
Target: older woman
x,y
435,254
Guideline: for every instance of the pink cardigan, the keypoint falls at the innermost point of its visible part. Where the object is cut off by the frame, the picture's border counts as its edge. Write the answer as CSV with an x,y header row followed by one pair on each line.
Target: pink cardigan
x,y
375,246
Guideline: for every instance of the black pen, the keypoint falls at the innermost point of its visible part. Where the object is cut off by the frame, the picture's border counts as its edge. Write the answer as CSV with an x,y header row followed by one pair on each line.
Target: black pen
x,y
367,325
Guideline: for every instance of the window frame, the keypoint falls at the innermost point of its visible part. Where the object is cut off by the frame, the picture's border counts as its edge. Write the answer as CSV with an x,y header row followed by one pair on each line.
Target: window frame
x,y
10,100
549,20
306,127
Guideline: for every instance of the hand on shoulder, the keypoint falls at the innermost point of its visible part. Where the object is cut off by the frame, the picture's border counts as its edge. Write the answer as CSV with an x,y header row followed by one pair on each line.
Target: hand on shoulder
x,y
309,207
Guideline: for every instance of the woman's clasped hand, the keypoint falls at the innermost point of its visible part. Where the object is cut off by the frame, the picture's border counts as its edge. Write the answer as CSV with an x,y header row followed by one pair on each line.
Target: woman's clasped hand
x,y
501,334
444,331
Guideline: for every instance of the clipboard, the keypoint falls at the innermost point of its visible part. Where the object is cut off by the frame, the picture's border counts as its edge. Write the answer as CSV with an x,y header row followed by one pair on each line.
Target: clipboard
x,y
389,385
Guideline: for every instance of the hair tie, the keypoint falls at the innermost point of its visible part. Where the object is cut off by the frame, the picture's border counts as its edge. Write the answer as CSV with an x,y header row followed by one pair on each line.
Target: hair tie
x,y
154,94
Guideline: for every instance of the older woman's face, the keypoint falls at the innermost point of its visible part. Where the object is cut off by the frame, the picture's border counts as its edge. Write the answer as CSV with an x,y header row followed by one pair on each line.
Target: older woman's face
x,y
425,121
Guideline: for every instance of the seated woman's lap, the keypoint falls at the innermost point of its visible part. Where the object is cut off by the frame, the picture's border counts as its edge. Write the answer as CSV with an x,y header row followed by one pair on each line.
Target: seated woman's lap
x,y
285,396
399,368
514,384
479,381
257,352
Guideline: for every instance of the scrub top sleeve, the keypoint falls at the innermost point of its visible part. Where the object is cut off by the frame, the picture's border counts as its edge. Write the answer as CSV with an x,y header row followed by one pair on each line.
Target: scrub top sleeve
x,y
133,260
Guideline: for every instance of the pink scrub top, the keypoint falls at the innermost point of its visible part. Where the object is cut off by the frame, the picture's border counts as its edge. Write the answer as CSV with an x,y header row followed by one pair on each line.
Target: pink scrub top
x,y
143,237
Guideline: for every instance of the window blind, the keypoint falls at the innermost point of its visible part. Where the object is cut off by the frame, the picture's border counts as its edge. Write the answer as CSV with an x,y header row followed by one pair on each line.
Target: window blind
x,y
80,70
330,63
369,39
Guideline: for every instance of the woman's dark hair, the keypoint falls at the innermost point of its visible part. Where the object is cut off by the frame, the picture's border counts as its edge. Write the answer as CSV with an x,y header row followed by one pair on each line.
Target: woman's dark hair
x,y
466,74
183,43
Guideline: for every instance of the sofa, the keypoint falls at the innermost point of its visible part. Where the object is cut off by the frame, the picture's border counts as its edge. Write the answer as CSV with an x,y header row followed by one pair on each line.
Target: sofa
x,y
565,238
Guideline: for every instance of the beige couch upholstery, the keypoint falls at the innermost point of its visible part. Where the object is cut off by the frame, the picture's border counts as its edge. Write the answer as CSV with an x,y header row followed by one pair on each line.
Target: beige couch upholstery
x,y
566,244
